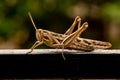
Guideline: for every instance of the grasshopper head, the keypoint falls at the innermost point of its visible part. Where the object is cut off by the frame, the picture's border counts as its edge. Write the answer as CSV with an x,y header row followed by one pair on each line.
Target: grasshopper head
x,y
39,34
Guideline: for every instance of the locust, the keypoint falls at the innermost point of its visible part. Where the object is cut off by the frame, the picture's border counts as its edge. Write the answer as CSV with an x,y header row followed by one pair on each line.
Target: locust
x,y
68,40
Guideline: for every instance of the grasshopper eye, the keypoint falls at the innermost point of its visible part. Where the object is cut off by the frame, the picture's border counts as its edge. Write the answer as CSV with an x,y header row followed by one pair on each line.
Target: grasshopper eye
x,y
45,37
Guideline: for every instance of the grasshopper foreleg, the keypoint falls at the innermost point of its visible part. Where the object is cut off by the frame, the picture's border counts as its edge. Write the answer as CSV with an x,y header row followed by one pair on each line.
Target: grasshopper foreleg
x,y
37,43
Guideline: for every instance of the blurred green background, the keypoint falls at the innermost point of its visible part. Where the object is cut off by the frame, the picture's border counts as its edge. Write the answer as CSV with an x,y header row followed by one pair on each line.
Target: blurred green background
x,y
17,31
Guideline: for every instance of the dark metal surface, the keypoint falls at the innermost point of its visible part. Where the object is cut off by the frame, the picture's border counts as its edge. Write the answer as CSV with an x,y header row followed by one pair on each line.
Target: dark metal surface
x,y
52,65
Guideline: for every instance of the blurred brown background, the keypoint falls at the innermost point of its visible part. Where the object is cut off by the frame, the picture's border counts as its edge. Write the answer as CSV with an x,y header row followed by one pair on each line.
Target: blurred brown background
x,y
17,31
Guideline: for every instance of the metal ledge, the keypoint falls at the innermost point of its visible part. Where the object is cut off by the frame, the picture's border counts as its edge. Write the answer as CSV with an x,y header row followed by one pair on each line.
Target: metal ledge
x,y
56,51
48,63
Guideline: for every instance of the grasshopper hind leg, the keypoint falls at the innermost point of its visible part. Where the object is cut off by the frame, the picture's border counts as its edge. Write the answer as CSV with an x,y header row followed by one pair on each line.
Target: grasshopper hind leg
x,y
70,30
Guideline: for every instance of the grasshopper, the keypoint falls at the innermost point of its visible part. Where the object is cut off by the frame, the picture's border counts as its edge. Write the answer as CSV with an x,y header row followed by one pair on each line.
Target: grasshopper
x,y
68,40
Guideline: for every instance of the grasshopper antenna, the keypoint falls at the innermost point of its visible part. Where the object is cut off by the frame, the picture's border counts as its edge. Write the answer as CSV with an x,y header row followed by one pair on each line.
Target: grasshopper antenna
x,y
32,20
